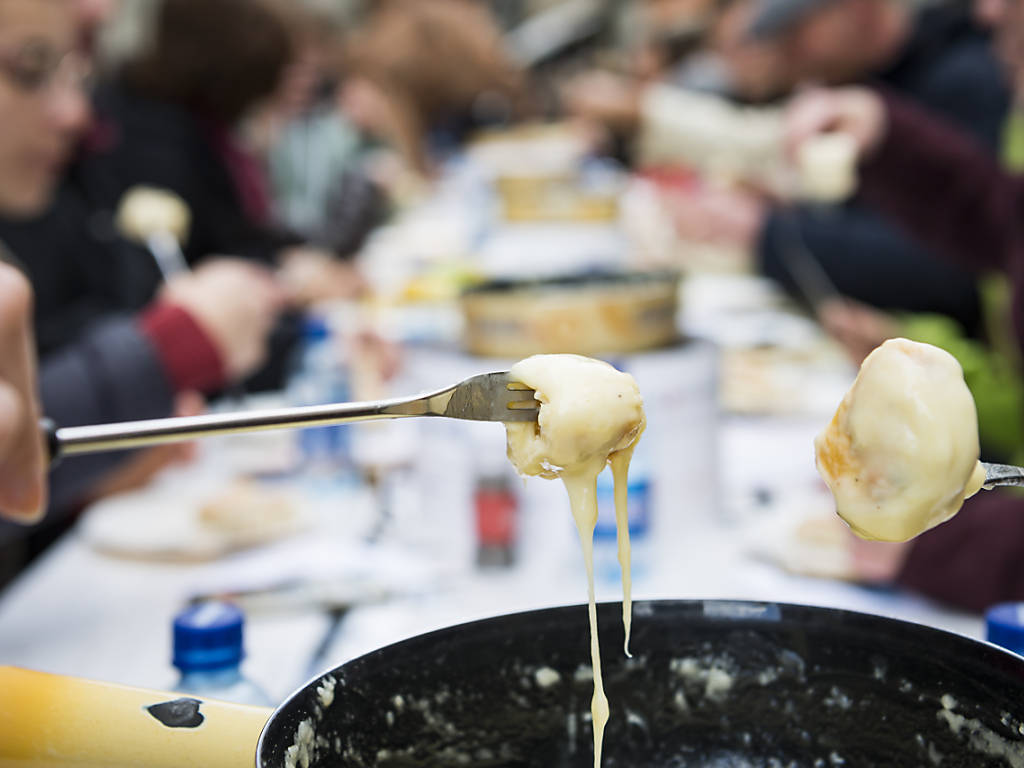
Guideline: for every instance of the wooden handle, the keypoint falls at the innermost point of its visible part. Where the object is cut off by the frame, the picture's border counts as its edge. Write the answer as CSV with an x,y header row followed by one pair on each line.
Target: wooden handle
x,y
49,720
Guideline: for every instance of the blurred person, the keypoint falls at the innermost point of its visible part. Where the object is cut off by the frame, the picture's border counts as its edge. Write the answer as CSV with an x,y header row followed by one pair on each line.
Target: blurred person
x,y
835,41
423,72
988,13
204,330
757,69
172,116
183,137
670,50
92,15
605,99
934,55
316,158
44,110
977,219
671,32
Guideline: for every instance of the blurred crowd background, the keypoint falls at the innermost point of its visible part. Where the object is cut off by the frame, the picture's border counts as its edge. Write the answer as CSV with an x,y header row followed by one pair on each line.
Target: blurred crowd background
x,y
202,192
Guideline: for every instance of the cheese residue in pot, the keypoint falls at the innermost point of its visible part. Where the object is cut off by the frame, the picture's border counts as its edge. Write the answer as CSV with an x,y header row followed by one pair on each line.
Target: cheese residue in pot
x,y
901,453
591,415
325,691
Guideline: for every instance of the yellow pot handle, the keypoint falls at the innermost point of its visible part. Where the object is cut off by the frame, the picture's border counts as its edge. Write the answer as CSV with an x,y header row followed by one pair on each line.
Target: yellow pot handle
x,y
49,720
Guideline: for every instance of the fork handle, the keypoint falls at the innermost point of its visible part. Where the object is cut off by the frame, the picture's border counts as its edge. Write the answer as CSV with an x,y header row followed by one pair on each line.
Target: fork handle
x,y
69,441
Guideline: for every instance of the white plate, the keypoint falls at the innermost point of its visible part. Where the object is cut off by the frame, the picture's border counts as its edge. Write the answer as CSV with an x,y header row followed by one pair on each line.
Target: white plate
x,y
153,524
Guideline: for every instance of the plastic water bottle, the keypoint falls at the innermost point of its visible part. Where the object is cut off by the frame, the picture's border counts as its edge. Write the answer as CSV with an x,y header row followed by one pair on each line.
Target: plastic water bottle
x,y
208,654
1004,626
320,378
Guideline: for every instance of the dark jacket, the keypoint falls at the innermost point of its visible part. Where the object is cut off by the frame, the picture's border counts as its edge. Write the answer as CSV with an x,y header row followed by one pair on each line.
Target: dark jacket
x,y
106,352
140,141
945,189
113,373
80,269
948,67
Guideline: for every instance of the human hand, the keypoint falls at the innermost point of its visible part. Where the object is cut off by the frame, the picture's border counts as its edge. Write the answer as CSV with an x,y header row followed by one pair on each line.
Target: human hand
x,y
376,360
721,215
309,275
877,562
857,327
22,460
236,303
605,98
858,112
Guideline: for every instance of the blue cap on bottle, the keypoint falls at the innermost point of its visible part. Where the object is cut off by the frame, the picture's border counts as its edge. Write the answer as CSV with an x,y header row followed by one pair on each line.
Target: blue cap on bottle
x,y
1004,625
208,636
315,328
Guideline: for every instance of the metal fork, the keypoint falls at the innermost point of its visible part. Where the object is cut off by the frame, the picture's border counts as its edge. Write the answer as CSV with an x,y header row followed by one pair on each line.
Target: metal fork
x,y
488,397
1002,475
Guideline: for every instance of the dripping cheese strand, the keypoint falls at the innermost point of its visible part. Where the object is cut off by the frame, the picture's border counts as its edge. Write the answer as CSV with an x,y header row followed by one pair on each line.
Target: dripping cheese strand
x,y
590,415
620,472
582,490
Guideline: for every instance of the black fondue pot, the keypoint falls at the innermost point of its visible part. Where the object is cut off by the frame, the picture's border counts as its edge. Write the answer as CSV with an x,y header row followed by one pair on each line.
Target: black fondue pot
x,y
710,684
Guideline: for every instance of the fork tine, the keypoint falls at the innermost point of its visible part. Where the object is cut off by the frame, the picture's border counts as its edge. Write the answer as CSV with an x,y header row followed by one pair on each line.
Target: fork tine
x,y
492,397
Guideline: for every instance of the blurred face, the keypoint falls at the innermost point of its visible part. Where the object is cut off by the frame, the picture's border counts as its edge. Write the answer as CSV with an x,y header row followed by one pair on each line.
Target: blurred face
x,y
91,15
757,69
827,46
299,82
42,107
670,14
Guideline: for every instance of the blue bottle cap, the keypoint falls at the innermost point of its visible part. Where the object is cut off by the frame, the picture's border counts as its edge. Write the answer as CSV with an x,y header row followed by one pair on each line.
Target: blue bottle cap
x,y
1004,625
208,636
314,328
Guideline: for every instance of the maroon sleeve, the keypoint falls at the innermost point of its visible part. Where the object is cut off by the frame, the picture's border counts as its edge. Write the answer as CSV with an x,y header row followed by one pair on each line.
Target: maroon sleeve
x,y
948,191
186,352
976,559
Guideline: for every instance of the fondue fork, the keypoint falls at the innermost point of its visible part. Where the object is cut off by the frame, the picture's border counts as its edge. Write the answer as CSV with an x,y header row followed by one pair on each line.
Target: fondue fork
x,y
1002,475
488,397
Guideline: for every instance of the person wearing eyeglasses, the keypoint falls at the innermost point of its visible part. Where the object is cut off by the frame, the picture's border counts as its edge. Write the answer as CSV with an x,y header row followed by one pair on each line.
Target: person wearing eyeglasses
x,y
36,137
204,330
44,110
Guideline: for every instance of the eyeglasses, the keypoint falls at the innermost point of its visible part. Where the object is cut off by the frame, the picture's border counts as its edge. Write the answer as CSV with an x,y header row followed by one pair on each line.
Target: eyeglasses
x,y
35,67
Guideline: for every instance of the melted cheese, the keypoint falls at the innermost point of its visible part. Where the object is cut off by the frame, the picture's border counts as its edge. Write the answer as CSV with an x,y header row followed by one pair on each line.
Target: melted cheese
x,y
147,211
827,168
590,415
901,453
